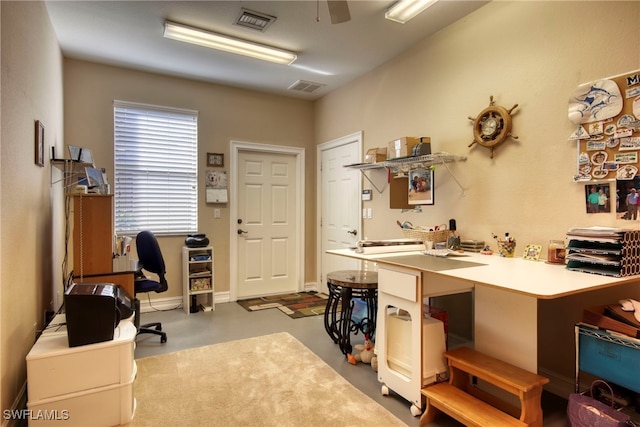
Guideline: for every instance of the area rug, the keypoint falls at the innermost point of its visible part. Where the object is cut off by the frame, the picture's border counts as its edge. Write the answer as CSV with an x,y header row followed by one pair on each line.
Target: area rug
x,y
273,380
296,305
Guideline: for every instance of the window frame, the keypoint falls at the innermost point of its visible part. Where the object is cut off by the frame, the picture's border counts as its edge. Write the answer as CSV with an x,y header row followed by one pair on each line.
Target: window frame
x,y
155,169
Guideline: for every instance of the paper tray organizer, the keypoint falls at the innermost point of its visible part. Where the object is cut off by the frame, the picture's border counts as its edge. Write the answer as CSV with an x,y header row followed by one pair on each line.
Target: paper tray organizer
x,y
619,258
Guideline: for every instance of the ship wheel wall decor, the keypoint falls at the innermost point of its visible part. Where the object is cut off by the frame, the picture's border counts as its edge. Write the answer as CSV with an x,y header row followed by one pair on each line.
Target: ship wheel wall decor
x,y
492,126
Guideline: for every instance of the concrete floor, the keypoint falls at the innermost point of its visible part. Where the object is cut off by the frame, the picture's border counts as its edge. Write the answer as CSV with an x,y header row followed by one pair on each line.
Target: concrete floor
x,y
231,322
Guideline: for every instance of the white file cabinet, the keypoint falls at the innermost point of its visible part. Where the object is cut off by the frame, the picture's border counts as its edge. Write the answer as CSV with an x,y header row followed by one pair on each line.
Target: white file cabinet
x,y
88,385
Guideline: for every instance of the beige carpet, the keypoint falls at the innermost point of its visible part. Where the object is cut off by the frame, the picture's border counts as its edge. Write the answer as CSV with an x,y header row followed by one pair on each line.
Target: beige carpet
x,y
273,380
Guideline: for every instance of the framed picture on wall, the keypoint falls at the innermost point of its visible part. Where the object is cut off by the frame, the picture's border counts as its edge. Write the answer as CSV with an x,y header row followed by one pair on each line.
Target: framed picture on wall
x,y
215,159
421,187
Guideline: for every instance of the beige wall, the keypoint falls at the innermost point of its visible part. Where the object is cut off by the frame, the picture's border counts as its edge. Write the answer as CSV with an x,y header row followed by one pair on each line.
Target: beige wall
x,y
30,209
225,114
531,53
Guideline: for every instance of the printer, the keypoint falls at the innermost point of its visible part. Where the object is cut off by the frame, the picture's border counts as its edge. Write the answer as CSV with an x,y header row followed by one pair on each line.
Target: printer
x,y
93,310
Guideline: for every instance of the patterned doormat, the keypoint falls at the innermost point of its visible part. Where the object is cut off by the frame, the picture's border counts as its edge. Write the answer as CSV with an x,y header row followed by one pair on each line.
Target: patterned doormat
x,y
296,306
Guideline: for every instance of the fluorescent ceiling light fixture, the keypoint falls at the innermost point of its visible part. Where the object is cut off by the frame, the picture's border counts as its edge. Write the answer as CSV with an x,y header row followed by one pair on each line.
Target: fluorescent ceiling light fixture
x,y
405,10
205,38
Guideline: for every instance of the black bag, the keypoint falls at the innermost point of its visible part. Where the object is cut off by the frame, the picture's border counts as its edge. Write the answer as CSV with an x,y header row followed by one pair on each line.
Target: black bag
x,y
196,241
586,411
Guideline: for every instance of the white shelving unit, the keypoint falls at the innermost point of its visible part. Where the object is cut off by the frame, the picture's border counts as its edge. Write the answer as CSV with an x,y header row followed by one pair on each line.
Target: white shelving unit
x,y
404,165
71,171
197,279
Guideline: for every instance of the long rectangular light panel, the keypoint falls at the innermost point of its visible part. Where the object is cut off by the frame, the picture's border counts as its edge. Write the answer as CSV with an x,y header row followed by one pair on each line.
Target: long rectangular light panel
x,y
212,40
404,10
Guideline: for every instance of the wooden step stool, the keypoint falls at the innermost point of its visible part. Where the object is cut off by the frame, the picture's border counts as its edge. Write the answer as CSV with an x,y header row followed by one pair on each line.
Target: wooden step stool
x,y
472,406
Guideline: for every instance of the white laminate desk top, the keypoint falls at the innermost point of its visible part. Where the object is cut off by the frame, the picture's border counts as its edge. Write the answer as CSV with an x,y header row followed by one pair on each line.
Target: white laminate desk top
x,y
534,278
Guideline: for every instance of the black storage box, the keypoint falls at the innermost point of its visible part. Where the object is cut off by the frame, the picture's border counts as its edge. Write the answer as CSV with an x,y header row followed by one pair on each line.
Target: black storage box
x,y
93,310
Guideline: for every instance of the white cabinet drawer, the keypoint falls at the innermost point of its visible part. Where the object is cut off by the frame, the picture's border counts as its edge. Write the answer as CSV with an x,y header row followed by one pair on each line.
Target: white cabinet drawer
x,y
54,368
398,283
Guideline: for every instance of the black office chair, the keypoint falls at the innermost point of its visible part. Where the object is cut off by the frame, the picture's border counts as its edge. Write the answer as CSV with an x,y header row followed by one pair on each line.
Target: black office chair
x,y
150,258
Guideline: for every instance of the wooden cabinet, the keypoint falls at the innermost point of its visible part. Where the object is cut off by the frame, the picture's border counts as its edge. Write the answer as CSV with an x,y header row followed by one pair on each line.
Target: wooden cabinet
x,y
126,280
92,234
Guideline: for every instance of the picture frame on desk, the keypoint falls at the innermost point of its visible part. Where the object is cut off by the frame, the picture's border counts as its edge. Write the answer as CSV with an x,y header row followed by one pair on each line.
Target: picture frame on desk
x,y
532,252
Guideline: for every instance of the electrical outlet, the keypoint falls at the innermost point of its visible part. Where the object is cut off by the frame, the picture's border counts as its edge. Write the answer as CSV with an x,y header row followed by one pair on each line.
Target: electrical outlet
x,y
369,213
216,213
364,213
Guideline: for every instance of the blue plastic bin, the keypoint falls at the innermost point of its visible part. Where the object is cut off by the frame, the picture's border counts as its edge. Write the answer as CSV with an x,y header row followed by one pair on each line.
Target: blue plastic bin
x,y
612,357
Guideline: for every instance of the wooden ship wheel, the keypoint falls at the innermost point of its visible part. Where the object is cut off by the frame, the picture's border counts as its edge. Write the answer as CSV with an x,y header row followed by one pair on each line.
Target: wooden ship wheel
x,y
492,126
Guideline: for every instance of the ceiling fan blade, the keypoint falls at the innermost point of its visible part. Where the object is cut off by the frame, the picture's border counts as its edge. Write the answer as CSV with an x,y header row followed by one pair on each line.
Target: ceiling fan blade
x,y
339,11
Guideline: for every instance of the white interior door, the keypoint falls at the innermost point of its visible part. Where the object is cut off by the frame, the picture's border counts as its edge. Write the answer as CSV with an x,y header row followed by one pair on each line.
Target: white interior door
x,y
267,224
339,203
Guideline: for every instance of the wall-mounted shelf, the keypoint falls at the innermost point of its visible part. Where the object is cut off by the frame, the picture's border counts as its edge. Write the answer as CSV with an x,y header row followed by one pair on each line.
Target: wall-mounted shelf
x,y
405,164
70,169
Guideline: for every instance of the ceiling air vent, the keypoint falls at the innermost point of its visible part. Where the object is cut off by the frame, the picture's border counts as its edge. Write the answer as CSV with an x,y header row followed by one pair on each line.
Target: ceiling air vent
x,y
305,86
254,20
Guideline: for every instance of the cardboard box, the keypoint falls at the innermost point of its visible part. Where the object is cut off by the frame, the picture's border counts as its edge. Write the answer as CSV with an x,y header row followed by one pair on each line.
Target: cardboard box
x,y
423,147
597,316
401,147
375,155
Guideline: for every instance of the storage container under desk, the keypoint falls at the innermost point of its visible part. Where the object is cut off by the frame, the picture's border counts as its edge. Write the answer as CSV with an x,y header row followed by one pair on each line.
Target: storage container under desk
x,y
399,345
55,369
613,357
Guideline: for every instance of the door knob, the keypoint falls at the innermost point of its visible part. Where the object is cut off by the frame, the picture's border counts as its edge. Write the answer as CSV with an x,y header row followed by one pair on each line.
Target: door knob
x,y
241,232
354,232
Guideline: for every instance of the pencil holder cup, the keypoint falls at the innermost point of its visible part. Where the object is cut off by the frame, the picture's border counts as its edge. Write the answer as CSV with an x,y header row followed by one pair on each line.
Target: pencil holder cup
x,y
506,248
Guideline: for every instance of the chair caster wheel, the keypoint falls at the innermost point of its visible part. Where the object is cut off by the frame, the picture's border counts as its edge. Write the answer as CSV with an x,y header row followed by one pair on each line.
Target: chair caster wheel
x,y
385,390
415,411
163,339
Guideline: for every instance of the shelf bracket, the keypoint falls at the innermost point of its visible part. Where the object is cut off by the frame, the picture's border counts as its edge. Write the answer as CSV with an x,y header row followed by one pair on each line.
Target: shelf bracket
x,y
379,190
454,177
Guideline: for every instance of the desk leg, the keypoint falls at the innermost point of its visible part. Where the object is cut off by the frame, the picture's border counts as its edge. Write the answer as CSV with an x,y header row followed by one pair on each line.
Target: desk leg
x,y
506,326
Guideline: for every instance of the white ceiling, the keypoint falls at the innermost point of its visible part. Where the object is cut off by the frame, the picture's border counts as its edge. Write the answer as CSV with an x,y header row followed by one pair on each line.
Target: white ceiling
x,y
129,34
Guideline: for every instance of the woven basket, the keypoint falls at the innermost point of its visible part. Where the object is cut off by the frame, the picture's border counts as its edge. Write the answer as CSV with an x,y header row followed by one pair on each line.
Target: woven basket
x,y
434,236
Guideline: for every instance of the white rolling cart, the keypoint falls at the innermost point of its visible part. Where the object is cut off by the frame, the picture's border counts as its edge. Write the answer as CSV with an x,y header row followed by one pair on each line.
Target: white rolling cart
x,y
410,350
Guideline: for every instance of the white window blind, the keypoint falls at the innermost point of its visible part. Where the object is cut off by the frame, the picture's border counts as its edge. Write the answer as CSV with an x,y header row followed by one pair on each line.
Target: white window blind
x,y
155,162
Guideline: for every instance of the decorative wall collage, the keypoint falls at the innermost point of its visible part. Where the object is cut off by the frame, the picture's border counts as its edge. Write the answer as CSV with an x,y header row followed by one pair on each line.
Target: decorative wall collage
x,y
606,113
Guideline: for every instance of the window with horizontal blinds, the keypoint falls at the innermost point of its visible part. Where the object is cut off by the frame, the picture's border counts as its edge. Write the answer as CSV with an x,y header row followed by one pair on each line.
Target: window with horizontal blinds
x,y
155,164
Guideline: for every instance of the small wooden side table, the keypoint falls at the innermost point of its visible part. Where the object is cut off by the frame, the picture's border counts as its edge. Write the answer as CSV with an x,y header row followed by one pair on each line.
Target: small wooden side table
x,y
344,285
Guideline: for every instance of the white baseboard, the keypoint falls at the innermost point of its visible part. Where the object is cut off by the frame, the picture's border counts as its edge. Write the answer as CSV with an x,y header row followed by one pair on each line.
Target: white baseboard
x,y
170,303
175,302
147,306
222,297
311,287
